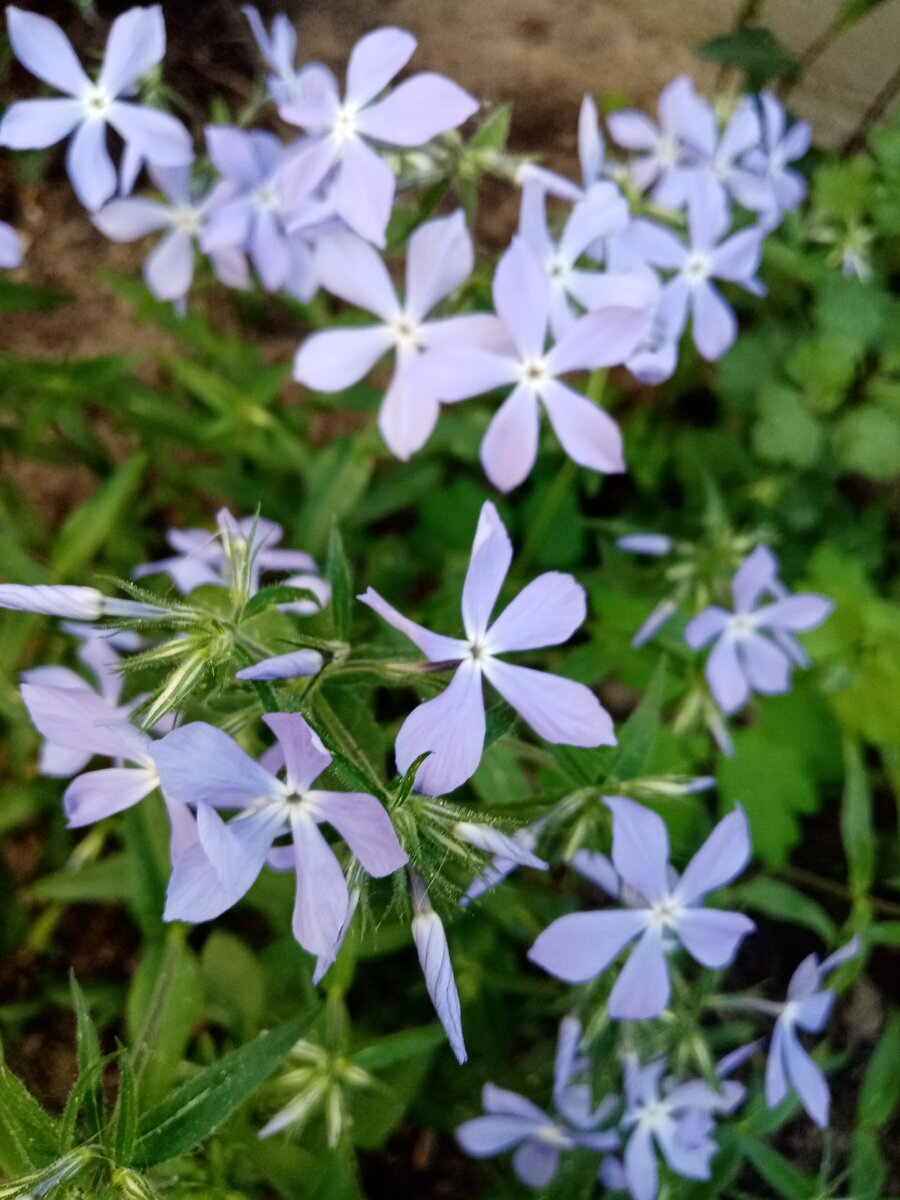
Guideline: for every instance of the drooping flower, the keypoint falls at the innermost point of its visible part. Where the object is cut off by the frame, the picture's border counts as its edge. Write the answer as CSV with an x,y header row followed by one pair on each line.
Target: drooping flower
x,y
137,42
439,260
511,1120
661,911
675,1117
361,184
430,940
755,648
709,255
808,1006
75,603
169,269
451,727
602,338
10,247
202,766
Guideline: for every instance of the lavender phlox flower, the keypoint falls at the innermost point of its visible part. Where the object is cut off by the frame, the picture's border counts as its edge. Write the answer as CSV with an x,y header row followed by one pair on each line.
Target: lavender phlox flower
x,y
296,664
361,184
169,270
678,1118
88,723
666,151
10,247
808,1006
439,259
755,647
591,157
769,185
708,255
278,48
591,221
202,766
574,1100
252,218
430,940
602,338
726,165
503,863
511,1120
75,603
662,911
137,42
655,356
452,725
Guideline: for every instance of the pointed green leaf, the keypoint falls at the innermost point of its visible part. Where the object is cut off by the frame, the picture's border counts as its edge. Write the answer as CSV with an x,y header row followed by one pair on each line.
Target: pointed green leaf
x,y
91,524
28,1135
856,821
337,570
637,737
88,1052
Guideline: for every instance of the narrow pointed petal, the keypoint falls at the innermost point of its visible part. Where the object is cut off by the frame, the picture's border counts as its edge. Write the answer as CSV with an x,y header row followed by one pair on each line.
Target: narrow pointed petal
x,y
557,709
295,664
711,935
807,1078
725,676
545,613
590,142
435,646
417,111
776,1080
640,848
439,259
43,49
509,447
488,566
579,946
322,901
90,168
35,124
349,267
365,826
98,794
304,755
533,219
522,298
336,358
642,990
505,846
137,42
587,433
363,191
720,859
451,727
434,959
375,60
199,764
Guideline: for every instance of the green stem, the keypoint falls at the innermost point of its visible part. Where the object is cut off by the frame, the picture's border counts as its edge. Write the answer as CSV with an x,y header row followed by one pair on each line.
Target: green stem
x,y
348,746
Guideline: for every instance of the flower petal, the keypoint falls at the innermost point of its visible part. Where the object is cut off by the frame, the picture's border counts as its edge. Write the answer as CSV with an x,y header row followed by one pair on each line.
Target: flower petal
x,y
758,573
169,269
536,1163
304,755
725,676
43,49
641,1171
53,600
456,371
579,946
439,259
545,613
483,1137
607,336
719,860
408,414
712,936
714,323
522,298
587,433
296,664
90,168
559,710
451,727
705,626
35,124
767,668
199,764
363,191
375,60
642,990
807,1078
417,111
336,358
509,447
157,136
128,220
640,848
800,612
738,258
365,826
435,646
633,130
349,267
98,794
322,901
91,725
776,1080
488,566
136,42
434,958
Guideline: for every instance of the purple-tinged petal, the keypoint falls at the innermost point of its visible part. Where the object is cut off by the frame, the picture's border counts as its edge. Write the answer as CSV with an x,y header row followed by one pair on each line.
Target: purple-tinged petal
x,y
53,600
840,956
302,172
323,901
738,258
350,268
98,794
492,841
91,724
707,214
451,727
579,946
229,226
137,42
435,646
597,868
655,244
720,859
536,1163
408,414
169,269
800,612
812,1013
10,247
633,289
232,153
35,124
712,936
474,330
633,130
375,60
238,849
90,168
640,848
320,589
296,664
603,338
686,1145
199,764
641,1172
365,826
807,1079
336,358
590,142
587,433
660,616
522,298
714,323
128,220
304,755
43,49
483,1137
434,958
500,1102
767,668
417,111
756,575
533,219
545,613
509,447
654,544
725,676
157,136
642,990
268,251
457,371
488,566
602,213
439,259
557,709
363,191
776,1080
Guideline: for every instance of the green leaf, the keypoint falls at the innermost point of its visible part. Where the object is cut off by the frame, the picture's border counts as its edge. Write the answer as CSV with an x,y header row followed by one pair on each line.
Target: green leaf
x,y
398,1046
755,51
500,718
778,1173
28,1136
337,571
92,523
108,879
786,432
124,1125
25,297
234,983
853,11
193,1111
637,737
88,1053
278,593
784,903
492,134
867,440
868,1169
336,483
879,1095
856,821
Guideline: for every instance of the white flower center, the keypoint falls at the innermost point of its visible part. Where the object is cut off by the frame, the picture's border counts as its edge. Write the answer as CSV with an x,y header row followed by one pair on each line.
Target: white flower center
x,y
266,199
552,1135
187,220
533,372
666,914
742,625
96,101
406,332
558,269
478,651
654,1114
697,268
667,151
344,126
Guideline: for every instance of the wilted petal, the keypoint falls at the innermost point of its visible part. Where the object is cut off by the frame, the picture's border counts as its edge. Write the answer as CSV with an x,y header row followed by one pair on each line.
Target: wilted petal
x,y
293,665
712,936
642,990
557,709
451,727
545,613
417,111
587,433
363,191
579,946
491,557
304,755
365,826
659,617
439,259
725,676
719,860
137,42
536,1163
99,794
714,323
336,358
375,60
199,764
435,646
43,49
322,901
90,168
640,848
434,959
350,268
509,447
